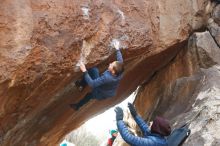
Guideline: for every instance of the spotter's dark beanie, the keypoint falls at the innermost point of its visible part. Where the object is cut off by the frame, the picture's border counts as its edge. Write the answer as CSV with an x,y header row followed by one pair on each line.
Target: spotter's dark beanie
x,y
161,126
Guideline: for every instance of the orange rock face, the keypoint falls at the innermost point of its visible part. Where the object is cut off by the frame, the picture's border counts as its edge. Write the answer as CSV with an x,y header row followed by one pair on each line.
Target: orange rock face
x,y
43,40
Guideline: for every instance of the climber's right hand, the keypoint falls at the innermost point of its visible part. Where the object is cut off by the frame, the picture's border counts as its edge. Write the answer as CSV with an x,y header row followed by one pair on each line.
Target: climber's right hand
x,y
116,44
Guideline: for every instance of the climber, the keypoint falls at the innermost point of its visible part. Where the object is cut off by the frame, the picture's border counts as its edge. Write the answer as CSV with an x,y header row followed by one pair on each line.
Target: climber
x,y
154,137
114,134
103,86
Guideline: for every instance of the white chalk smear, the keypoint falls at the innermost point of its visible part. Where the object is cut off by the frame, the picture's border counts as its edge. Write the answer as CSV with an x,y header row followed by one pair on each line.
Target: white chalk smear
x,y
124,38
122,17
85,51
122,14
85,12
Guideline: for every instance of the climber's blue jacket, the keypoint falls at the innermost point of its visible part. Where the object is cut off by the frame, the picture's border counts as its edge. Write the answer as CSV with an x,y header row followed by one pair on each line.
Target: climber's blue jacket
x,y
105,85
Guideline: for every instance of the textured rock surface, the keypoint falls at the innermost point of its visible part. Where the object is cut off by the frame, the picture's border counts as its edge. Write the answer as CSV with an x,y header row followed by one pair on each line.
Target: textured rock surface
x,y
216,14
187,87
42,41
